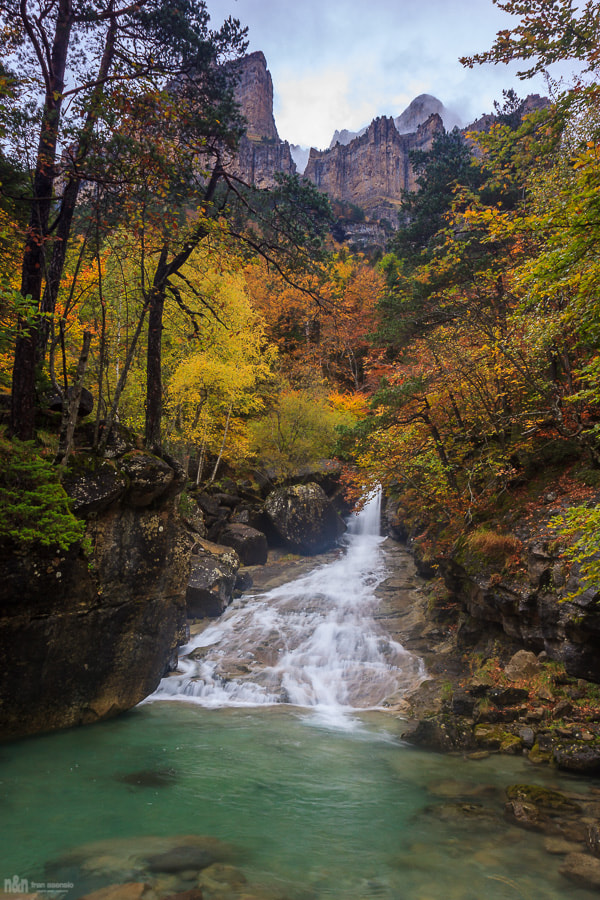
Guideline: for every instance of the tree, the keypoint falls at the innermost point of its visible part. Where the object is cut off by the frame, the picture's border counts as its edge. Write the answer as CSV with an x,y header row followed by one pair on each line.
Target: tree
x,y
285,225
214,376
76,66
549,31
439,170
328,339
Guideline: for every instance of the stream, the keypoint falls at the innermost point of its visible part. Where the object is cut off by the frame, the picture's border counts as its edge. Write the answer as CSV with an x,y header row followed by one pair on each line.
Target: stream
x,y
267,769
311,643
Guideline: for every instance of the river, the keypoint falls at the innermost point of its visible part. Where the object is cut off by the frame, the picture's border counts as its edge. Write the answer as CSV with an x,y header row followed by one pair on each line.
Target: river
x,y
265,769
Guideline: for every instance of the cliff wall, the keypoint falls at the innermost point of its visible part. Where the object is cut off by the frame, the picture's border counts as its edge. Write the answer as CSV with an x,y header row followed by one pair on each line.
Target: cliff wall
x,y
375,166
82,639
261,153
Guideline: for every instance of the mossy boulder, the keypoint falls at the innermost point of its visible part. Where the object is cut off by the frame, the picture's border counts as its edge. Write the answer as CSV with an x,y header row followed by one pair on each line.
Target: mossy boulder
x,y
93,485
544,798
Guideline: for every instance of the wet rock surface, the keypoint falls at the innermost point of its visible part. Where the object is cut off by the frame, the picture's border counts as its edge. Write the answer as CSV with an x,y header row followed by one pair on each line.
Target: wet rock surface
x,y
304,517
212,580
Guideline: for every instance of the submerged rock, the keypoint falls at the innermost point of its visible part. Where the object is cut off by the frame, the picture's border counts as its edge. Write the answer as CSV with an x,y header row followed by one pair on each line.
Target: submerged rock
x,y
582,869
132,890
150,778
136,858
185,858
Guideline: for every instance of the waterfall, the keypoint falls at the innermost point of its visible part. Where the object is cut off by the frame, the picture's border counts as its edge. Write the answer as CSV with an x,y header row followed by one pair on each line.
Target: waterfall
x,y
312,642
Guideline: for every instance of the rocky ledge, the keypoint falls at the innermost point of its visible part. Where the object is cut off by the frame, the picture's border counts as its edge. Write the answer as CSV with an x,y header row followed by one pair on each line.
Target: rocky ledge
x,y
492,699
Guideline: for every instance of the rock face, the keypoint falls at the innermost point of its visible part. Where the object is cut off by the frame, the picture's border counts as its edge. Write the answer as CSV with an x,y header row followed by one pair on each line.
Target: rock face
x,y
261,153
254,93
81,640
374,167
258,161
304,517
419,111
533,614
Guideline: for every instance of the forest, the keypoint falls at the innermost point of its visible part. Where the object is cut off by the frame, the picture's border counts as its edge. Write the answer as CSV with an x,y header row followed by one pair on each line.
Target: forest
x,y
225,323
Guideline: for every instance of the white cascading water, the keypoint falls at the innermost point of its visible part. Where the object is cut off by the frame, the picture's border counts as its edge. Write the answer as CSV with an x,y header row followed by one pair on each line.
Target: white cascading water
x,y
311,642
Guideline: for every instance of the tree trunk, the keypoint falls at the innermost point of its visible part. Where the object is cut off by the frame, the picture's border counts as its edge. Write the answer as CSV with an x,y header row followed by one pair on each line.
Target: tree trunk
x,y
34,254
154,354
121,382
214,474
71,404
70,194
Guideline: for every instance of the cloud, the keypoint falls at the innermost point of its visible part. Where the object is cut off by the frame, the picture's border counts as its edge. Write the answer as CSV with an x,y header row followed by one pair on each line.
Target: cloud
x,y
340,63
308,108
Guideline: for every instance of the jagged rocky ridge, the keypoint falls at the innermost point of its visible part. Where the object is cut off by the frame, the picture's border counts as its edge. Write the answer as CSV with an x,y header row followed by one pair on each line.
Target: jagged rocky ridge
x,y
370,169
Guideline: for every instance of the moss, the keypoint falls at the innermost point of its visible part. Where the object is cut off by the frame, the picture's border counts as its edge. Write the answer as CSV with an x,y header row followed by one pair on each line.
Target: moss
x,y
543,798
512,743
537,756
492,736
185,504
590,477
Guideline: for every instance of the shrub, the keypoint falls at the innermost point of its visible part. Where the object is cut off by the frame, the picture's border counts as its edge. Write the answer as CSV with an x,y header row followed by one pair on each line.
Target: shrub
x,y
494,546
35,507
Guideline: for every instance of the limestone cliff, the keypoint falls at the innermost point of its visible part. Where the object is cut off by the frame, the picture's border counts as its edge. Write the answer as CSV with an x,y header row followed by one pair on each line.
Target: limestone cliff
x,y
374,167
254,93
83,638
261,153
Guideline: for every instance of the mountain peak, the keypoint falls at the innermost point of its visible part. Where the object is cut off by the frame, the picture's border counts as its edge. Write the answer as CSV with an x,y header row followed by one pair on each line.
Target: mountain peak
x,y
419,110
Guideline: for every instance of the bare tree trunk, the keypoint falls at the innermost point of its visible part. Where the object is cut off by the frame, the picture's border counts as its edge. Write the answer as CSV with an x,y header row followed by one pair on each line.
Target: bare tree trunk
x,y
214,474
121,382
71,404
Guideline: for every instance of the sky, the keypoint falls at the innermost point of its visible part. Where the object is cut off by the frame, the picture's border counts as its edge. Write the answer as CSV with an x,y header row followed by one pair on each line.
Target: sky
x,y
340,63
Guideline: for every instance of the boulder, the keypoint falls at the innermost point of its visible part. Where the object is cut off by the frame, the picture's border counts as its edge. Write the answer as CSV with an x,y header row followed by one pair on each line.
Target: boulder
x,y
249,544
304,518
149,477
208,505
212,580
578,757
522,665
93,487
54,402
